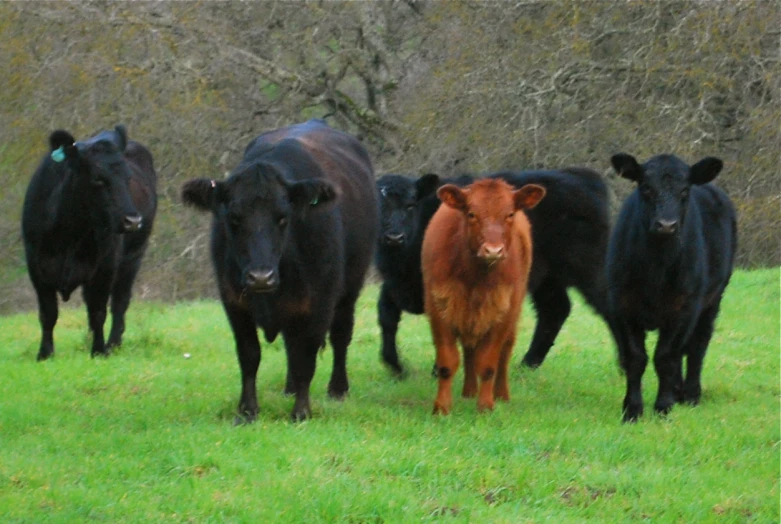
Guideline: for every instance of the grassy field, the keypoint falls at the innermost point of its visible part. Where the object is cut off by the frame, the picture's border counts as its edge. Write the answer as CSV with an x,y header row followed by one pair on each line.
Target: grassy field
x,y
147,434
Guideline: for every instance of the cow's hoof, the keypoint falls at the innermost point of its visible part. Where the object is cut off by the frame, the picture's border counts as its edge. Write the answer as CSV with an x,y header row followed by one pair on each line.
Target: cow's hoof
x,y
337,393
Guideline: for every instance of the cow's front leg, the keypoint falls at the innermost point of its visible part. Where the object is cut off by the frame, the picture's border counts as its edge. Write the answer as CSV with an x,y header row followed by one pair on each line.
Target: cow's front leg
x,y
248,352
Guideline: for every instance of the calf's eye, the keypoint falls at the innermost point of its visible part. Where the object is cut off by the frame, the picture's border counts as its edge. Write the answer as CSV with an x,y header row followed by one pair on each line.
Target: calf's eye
x,y
282,222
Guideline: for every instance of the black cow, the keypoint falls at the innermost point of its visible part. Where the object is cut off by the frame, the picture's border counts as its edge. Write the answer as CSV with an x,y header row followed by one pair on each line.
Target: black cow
x,y
570,229
292,238
669,260
86,221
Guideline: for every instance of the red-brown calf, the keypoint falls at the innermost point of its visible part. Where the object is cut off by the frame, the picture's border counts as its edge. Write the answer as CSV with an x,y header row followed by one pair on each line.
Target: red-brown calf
x,y
476,257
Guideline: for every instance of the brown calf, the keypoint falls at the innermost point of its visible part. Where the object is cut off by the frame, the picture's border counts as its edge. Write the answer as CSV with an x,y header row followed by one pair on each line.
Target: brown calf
x,y
476,257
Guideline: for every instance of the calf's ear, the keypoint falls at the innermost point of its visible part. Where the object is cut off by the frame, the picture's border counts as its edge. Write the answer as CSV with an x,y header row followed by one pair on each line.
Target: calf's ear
x,y
201,193
62,145
312,192
705,170
627,167
528,196
452,196
425,185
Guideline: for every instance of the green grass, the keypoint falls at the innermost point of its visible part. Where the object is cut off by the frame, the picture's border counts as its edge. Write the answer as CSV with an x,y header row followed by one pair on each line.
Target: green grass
x,y
147,435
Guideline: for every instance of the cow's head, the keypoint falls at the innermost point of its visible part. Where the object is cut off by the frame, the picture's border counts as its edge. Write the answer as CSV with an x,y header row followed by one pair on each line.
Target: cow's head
x,y
100,167
257,208
400,206
489,208
663,184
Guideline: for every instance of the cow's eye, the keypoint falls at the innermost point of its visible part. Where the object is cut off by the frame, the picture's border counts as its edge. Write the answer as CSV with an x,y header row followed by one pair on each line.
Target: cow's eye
x,y
685,193
98,182
511,216
410,208
646,191
471,216
282,222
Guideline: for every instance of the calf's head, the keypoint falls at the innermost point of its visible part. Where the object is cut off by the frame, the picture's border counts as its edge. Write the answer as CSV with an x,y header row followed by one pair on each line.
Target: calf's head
x,y
663,184
400,199
256,209
99,166
488,208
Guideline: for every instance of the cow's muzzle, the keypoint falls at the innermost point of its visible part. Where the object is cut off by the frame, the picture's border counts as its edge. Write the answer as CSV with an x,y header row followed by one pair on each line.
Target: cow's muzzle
x,y
261,281
131,223
393,239
491,253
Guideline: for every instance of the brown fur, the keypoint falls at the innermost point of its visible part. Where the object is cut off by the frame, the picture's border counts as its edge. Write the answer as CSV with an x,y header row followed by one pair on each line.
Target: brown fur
x,y
468,299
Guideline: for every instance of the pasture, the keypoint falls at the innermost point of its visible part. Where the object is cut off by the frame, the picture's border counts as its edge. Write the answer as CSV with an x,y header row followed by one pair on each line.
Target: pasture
x,y
147,434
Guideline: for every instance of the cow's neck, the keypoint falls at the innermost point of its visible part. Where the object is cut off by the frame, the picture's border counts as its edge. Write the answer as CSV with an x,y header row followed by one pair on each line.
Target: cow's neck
x,y
70,205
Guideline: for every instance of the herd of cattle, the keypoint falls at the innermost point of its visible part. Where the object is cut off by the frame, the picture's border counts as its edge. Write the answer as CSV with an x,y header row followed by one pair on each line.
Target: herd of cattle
x,y
299,221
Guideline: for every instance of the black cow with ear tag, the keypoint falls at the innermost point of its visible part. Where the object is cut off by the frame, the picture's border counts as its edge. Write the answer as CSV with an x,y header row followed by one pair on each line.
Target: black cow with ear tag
x,y
86,221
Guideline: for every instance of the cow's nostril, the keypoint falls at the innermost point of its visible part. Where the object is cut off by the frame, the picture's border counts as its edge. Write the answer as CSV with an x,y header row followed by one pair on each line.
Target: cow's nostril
x,y
132,222
666,226
394,238
261,280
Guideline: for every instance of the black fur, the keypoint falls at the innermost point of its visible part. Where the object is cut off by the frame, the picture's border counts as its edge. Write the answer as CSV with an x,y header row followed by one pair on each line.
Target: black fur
x,y
86,222
570,229
669,261
292,238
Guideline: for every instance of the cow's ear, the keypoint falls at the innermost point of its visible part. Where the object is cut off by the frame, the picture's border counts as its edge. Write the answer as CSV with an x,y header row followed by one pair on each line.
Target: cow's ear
x,y
62,145
312,192
528,196
705,170
452,196
426,185
627,167
121,133
202,193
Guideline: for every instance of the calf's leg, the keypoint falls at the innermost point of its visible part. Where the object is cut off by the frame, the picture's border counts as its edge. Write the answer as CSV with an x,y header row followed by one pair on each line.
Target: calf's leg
x,y
695,350
389,316
446,363
501,387
630,340
667,362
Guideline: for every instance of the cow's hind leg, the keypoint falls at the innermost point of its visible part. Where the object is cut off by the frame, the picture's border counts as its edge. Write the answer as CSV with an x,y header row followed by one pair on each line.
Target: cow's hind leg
x,y
96,293
695,353
553,307
389,315
341,334
120,299
47,315
501,387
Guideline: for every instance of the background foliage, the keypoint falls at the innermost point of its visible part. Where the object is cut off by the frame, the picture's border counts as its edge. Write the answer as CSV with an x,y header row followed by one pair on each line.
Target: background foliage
x,y
441,87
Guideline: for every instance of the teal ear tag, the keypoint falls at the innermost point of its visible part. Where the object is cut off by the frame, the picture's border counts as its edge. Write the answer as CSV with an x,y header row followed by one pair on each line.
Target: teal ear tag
x,y
58,155
314,201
